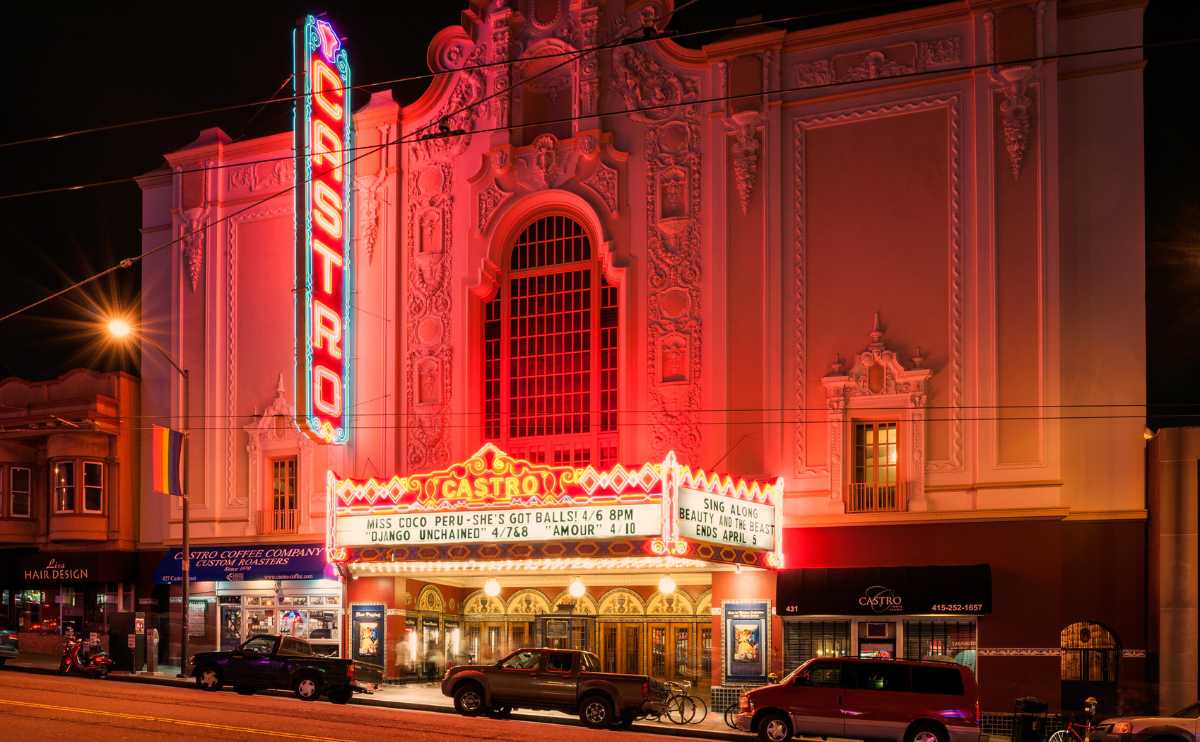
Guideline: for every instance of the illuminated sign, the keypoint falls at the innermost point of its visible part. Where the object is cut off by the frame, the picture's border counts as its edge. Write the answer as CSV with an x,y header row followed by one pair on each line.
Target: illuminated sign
x,y
323,138
725,520
491,497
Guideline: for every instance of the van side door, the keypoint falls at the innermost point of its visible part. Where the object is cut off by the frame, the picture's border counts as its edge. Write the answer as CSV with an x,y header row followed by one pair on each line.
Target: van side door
x,y
879,704
814,700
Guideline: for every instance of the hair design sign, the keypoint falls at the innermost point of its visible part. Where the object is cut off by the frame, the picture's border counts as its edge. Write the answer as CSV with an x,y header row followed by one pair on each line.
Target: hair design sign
x,y
492,497
323,137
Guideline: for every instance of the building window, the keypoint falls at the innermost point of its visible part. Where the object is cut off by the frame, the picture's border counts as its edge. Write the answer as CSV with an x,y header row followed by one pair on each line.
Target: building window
x,y
803,640
875,485
93,487
20,486
1089,653
63,474
550,351
283,495
945,641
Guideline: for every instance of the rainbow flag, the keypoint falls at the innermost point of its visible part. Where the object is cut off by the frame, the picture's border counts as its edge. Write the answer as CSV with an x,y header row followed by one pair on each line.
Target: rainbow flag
x,y
167,455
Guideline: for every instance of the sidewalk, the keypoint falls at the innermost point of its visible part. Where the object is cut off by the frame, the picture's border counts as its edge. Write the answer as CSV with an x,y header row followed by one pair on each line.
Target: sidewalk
x,y
418,696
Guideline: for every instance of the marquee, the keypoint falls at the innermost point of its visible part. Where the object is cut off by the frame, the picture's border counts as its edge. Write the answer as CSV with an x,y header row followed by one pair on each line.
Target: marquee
x,y
494,506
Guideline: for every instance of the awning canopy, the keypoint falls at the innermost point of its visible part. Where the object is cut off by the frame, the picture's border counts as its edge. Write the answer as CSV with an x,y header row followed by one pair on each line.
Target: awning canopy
x,y
881,591
248,562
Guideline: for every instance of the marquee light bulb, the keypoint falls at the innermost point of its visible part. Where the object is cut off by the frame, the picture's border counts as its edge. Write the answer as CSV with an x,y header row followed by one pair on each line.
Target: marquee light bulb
x,y
491,588
666,585
577,589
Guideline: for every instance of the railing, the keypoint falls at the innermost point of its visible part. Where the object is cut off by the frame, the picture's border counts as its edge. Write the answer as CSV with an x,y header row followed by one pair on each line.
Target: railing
x,y
283,521
864,497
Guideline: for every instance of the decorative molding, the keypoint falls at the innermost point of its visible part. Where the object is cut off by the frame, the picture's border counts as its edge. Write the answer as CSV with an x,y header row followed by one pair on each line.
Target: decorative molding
x,y
261,176
905,58
1013,84
272,432
1019,652
194,232
488,201
370,192
232,497
746,128
673,201
801,465
605,183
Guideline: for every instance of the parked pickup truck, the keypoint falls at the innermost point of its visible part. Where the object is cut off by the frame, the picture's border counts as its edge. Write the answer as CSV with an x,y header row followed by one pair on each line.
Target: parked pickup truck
x,y
563,680
267,661
9,645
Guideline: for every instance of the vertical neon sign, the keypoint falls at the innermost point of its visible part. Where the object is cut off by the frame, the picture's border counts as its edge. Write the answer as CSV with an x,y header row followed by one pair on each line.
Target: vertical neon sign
x,y
324,176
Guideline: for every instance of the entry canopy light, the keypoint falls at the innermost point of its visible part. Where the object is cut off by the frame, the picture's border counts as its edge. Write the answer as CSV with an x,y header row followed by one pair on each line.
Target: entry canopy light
x,y
491,588
577,589
666,585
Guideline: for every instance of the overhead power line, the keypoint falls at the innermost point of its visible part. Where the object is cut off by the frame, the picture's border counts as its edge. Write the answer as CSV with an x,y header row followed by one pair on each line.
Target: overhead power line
x,y
417,134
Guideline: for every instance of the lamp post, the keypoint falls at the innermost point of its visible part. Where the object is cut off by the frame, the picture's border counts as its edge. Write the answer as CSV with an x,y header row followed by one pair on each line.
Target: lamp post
x,y
120,329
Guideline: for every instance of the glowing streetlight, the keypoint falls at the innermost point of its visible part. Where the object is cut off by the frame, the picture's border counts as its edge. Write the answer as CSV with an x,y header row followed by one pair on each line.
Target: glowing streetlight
x,y
119,328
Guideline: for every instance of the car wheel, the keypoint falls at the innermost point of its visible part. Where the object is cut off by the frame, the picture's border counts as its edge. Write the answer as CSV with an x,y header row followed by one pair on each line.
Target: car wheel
x,y
341,696
208,678
244,690
926,733
307,688
775,727
468,699
596,712
499,712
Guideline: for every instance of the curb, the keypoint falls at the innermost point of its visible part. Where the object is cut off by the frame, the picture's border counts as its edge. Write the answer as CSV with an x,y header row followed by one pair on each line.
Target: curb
x,y
680,731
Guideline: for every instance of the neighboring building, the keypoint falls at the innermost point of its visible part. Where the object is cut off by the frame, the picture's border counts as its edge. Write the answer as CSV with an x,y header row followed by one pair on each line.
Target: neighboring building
x,y
69,472
918,301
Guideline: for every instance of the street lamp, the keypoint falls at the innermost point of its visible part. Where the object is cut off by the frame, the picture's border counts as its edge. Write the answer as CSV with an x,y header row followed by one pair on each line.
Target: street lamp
x,y
120,329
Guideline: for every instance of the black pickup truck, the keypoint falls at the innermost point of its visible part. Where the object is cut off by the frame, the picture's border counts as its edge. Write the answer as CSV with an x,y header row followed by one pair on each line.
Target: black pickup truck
x,y
267,661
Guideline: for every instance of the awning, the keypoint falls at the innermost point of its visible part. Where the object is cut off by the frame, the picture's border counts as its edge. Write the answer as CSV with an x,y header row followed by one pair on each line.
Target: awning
x,y
249,562
881,591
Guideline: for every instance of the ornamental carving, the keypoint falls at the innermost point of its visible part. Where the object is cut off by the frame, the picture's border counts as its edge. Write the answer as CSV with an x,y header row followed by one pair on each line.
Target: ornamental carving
x,y
480,604
746,129
876,64
449,131
429,358
194,230
604,184
528,602
430,599
621,602
675,604
489,199
1015,118
673,178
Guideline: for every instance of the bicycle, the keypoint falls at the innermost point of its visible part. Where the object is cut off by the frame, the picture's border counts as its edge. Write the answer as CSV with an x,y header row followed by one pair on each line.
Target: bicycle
x,y
1078,731
681,707
730,712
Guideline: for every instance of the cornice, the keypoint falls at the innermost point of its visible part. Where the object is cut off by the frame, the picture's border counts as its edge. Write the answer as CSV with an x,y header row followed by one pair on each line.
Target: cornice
x,y
1068,9
877,26
763,41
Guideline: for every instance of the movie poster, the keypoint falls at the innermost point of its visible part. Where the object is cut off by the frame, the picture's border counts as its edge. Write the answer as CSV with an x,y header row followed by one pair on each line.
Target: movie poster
x,y
367,632
746,642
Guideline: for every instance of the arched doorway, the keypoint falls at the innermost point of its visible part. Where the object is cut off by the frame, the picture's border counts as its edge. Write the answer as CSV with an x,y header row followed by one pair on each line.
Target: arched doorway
x,y
1090,662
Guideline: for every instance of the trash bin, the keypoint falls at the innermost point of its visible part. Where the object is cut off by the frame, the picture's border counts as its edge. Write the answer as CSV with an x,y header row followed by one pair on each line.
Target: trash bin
x,y
1029,720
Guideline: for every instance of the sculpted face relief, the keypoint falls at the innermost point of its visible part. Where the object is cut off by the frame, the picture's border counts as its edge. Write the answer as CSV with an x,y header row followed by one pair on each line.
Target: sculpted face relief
x,y
324,134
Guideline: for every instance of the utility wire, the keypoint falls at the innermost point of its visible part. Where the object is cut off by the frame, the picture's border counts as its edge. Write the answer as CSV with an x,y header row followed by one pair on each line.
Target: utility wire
x,y
166,118
626,111
128,262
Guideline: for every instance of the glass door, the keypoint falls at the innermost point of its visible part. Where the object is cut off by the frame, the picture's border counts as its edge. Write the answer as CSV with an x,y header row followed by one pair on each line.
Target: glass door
x,y
231,622
621,647
673,651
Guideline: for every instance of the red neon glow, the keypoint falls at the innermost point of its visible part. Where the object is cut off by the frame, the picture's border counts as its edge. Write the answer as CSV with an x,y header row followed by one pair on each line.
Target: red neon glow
x,y
330,43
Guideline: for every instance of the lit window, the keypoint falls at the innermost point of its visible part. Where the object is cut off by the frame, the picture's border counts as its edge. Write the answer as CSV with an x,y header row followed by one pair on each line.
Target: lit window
x,y
63,474
93,487
20,486
550,351
283,495
876,483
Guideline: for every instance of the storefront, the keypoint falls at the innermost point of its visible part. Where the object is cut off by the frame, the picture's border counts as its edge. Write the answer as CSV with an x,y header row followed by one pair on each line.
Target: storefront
x,y
242,590
495,553
928,613
48,592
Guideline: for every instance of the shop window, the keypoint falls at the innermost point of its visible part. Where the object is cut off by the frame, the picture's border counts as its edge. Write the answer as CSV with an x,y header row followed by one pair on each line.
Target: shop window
x,y
93,487
283,495
63,475
550,351
20,491
803,640
875,485
945,641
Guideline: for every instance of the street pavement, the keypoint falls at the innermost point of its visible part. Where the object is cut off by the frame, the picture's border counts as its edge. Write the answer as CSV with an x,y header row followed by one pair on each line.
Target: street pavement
x,y
47,707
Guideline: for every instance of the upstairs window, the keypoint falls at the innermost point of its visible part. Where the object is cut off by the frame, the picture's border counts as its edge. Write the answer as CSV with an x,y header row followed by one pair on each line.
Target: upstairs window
x,y
550,350
875,484
20,486
283,495
63,475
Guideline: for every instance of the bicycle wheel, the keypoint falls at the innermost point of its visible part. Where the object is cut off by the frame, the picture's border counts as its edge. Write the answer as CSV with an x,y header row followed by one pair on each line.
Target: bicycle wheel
x,y
1059,736
701,710
680,709
730,712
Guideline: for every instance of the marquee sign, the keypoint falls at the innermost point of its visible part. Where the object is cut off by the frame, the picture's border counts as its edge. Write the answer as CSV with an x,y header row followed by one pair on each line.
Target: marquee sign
x,y
492,497
323,137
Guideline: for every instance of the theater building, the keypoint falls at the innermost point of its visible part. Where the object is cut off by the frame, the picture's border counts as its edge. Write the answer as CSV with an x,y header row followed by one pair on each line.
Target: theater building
x,y
883,277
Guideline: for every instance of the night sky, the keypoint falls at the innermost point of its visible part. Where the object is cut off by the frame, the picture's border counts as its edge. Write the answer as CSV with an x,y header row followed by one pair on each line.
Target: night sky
x,y
142,59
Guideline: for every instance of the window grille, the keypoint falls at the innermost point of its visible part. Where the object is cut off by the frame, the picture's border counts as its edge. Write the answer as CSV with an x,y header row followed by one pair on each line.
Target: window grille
x,y
803,640
950,641
550,361
1090,653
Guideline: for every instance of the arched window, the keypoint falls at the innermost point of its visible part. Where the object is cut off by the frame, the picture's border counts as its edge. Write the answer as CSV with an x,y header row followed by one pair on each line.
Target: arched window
x,y
550,350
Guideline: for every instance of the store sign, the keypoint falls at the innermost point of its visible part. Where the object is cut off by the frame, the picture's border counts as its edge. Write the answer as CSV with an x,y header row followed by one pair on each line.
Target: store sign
x,y
543,524
725,520
324,180
492,497
249,562
881,599
56,570
872,591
